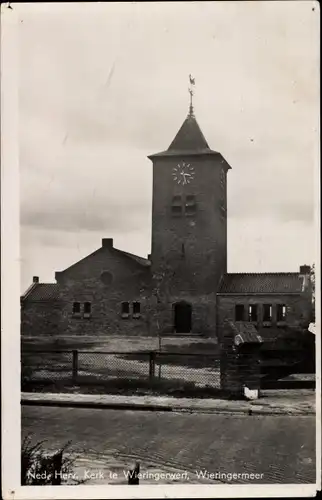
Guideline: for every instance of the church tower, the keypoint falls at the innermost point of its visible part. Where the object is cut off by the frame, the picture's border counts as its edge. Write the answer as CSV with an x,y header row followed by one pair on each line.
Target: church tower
x,y
189,221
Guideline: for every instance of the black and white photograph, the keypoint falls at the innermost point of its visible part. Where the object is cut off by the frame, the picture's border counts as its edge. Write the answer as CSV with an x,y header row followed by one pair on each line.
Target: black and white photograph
x,y
160,249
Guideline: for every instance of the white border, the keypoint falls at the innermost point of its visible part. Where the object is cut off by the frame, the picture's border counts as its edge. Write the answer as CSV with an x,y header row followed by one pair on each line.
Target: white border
x,y
158,491
10,253
10,314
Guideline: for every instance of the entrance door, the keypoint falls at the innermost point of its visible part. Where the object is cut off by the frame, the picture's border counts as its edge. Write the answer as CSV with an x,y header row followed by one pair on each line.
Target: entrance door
x,y
182,317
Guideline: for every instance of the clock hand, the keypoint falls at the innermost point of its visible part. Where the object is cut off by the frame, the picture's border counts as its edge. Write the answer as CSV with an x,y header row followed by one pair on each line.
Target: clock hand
x,y
184,177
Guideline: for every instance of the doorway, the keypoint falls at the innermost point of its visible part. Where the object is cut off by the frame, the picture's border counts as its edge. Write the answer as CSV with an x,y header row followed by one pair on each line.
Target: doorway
x,y
182,317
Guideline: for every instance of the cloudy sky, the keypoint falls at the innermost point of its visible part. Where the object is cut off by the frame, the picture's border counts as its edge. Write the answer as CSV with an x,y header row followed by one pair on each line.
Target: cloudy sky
x,y
103,85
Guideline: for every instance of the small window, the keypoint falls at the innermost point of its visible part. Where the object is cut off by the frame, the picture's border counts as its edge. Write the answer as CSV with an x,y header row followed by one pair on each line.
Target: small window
x,y
267,313
239,312
125,309
252,312
87,309
136,309
190,205
76,309
280,312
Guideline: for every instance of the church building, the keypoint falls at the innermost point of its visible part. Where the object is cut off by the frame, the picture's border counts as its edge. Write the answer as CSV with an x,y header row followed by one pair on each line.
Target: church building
x,y
182,287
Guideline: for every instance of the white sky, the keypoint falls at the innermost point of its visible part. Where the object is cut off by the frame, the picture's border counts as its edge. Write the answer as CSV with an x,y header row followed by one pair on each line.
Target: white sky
x,y
101,86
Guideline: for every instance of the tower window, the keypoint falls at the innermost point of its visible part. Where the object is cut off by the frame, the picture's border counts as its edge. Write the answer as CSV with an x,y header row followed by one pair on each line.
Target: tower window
x,y
252,312
125,309
87,309
136,309
267,313
280,312
176,207
239,312
190,205
76,309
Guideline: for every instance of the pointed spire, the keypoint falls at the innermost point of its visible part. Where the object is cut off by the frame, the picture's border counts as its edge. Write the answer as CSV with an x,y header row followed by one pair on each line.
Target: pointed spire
x,y
189,138
189,135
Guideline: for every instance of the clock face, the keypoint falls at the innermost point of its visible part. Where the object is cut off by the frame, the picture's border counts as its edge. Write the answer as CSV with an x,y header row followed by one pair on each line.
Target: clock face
x,y
183,173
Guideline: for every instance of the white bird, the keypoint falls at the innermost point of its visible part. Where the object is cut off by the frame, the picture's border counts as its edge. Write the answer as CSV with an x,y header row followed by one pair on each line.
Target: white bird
x,y
250,393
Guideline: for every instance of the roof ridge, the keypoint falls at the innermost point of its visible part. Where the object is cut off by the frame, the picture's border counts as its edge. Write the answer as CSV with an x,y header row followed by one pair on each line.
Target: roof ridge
x,y
130,254
29,290
136,258
81,260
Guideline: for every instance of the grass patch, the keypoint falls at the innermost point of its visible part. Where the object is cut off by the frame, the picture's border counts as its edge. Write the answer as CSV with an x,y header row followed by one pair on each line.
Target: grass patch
x,y
40,468
125,386
189,355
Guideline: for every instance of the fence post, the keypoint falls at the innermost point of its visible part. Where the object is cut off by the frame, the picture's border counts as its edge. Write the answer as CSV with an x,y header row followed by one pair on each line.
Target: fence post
x,y
75,365
151,365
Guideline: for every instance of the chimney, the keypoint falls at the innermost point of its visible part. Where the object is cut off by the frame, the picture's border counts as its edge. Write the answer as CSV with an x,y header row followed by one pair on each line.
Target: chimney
x,y
35,279
305,272
107,242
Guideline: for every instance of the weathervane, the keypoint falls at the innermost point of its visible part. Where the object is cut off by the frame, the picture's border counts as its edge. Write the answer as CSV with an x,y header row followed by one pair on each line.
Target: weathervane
x,y
192,84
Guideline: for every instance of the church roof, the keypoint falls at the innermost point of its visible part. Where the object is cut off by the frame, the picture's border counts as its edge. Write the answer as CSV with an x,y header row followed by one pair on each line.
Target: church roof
x,y
189,136
253,283
189,140
41,292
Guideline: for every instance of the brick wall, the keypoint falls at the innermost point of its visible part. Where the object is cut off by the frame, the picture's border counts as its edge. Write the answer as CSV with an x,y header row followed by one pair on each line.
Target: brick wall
x,y
203,313
83,283
297,310
40,318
